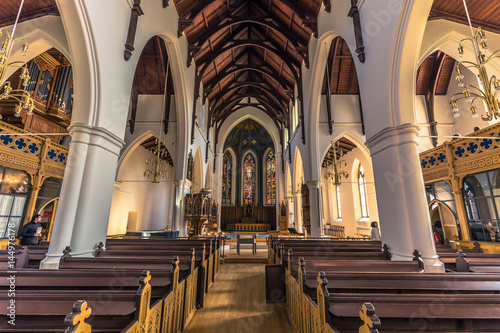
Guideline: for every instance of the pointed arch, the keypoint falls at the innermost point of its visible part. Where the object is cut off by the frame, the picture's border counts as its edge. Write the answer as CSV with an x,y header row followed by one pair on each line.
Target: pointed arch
x,y
198,171
127,153
208,176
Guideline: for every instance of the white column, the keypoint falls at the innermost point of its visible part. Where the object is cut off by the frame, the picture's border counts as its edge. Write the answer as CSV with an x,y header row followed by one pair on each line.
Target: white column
x,y
290,210
182,188
219,162
297,208
315,208
96,192
403,212
83,212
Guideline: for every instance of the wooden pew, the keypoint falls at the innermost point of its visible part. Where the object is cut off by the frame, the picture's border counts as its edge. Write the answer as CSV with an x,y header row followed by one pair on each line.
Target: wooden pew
x,y
117,310
152,244
44,310
308,301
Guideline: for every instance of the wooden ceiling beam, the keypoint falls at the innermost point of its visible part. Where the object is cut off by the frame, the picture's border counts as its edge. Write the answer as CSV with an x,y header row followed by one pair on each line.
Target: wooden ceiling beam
x,y
437,14
232,21
195,8
239,68
257,95
291,63
30,15
431,92
238,97
240,84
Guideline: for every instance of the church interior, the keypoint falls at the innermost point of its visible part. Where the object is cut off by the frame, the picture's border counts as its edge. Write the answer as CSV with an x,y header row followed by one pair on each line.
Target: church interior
x,y
306,166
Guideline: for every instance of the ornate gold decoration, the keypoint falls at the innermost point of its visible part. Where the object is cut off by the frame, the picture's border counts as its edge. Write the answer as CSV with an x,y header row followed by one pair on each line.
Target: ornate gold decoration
x,y
370,320
6,90
157,163
76,319
489,88
334,167
443,173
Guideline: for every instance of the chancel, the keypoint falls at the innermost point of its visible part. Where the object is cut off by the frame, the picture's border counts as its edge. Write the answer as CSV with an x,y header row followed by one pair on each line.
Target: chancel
x,y
305,166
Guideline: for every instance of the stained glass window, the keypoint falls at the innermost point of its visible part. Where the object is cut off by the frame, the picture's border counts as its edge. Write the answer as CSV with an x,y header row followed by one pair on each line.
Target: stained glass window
x,y
227,173
249,179
271,178
362,192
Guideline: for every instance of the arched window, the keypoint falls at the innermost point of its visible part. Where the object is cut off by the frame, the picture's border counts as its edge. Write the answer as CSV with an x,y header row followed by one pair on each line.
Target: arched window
x,y
362,192
227,176
339,209
271,178
248,179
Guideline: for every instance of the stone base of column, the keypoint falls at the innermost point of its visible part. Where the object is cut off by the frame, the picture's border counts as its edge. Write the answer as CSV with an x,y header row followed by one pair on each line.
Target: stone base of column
x,y
51,261
433,265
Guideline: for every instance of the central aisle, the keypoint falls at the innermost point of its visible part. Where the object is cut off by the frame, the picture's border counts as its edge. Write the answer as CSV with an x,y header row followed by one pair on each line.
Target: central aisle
x,y
236,303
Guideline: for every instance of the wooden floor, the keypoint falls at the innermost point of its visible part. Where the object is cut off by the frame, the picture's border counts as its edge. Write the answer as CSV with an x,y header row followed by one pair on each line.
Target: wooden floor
x,y
236,303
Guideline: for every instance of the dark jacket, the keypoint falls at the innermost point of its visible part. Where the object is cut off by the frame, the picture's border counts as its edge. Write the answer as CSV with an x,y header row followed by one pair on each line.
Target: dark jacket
x,y
27,233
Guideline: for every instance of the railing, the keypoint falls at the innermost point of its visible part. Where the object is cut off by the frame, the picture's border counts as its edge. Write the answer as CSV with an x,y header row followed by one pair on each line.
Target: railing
x,y
248,226
460,157
337,231
31,153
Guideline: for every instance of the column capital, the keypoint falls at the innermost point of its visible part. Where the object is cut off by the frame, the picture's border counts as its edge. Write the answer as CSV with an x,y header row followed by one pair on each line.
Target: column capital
x,y
96,136
182,183
313,184
392,137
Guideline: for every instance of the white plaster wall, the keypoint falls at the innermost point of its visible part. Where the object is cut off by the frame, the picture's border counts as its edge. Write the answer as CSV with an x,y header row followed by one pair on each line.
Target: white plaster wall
x,y
349,195
152,202
150,118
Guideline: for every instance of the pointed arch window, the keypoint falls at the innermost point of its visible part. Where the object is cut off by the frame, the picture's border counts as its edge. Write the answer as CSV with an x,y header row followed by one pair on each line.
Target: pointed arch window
x,y
248,179
227,173
362,192
271,178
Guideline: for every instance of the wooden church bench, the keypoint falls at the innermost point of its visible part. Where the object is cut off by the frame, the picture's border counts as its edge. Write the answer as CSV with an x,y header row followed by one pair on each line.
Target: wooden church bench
x,y
29,280
208,263
402,306
187,264
419,313
153,244
114,309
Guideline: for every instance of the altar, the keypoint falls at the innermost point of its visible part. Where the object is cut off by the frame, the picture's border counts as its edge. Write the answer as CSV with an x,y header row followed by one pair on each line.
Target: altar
x,y
248,218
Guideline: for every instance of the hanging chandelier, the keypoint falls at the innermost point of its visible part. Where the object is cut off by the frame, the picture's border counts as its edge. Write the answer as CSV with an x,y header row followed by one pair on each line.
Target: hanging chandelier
x,y
7,91
157,163
489,86
334,166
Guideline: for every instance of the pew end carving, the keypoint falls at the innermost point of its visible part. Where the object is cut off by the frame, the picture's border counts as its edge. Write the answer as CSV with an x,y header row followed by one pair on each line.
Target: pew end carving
x,y
462,263
387,251
371,323
76,319
417,256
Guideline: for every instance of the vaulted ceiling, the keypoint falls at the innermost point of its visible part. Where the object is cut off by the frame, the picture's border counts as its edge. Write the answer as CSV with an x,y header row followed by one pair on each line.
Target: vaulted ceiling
x,y
248,50
342,147
32,9
483,13
435,74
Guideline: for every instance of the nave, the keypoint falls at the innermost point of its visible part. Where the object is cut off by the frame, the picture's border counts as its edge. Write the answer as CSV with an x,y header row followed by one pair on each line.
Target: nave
x,y
237,304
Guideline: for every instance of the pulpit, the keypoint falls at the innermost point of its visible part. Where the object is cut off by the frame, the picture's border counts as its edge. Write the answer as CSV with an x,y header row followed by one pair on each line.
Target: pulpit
x,y
198,211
